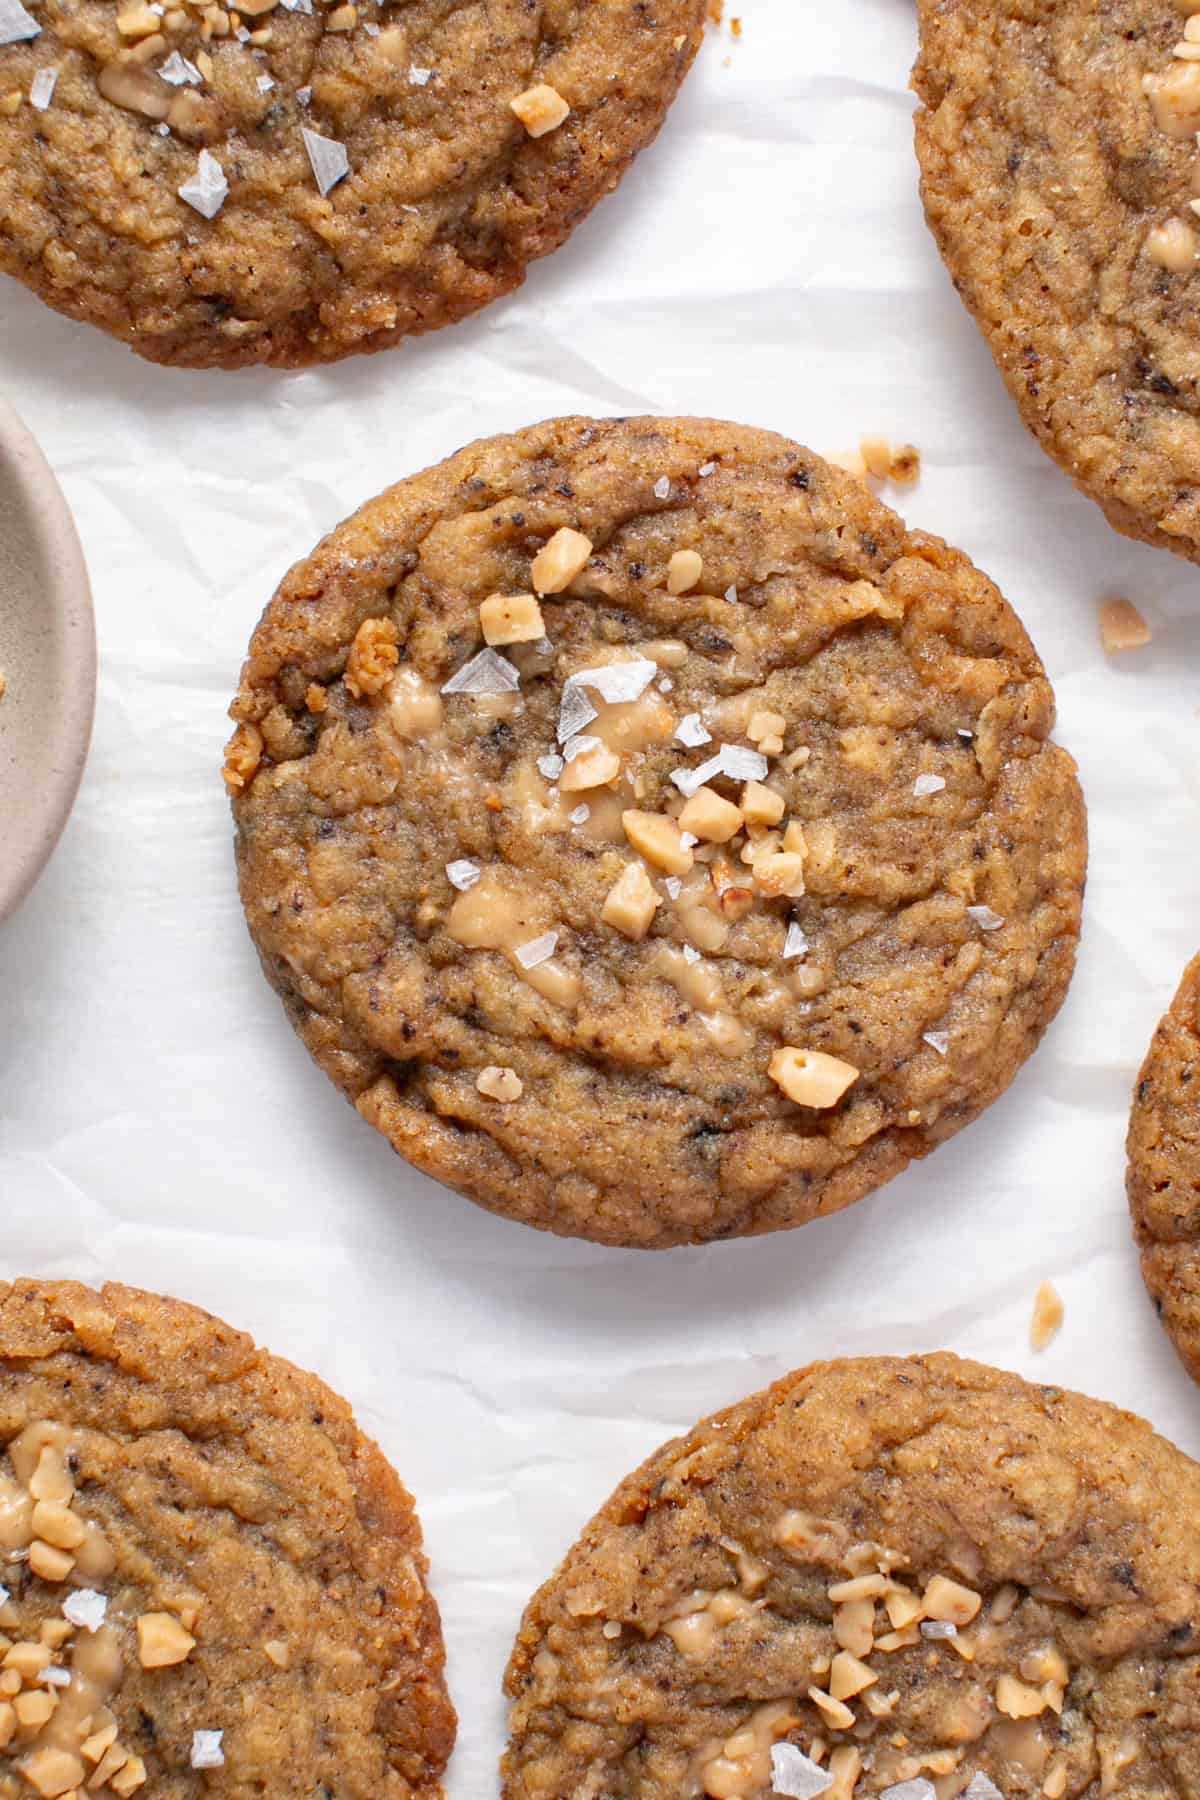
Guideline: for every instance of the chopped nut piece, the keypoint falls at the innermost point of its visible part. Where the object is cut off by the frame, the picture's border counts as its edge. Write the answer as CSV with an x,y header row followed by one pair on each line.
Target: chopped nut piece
x,y
765,724
1047,1316
684,571
949,1600
810,1077
342,18
559,561
706,815
49,1563
1122,627
905,466
58,1525
541,109
8,1723
1055,1784
1172,246
902,1608
51,1479
114,1758
1016,1700
55,1632
898,1640
276,1651
854,1627
845,1765
861,1587
591,768
131,1776
162,1641
876,453
511,619
632,902
848,1676
659,839
836,1712
52,1772
780,874
373,657
95,1746
27,1660
761,805
499,1083
138,22
1045,1664
243,753
316,698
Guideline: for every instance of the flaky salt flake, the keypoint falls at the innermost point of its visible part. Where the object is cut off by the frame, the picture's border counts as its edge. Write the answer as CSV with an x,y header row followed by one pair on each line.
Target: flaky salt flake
x,y
5,1593
550,766
619,682
487,673
206,1750
689,780
328,159
690,955
207,190
938,1628
731,594
85,1608
985,918
579,746
537,950
296,6
581,814
462,874
179,71
673,886
690,732
795,1775
981,1787
928,784
920,1789
742,764
688,840
419,77
304,94
574,712
937,1040
41,89
264,84
966,734
662,488
666,685
51,1676
16,25
795,943
706,468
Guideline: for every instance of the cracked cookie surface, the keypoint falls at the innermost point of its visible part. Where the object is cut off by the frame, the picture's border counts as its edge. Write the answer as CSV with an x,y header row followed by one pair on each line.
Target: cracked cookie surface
x,y
213,1582
277,256
753,878
998,1580
1058,168
1163,1174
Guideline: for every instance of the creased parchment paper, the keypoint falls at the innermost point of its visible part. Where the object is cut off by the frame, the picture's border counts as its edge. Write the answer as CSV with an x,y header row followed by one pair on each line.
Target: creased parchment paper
x,y
766,261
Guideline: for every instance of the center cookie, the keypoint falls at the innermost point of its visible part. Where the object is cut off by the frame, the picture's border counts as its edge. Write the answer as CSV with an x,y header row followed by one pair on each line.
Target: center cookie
x,y
653,838
290,181
918,1579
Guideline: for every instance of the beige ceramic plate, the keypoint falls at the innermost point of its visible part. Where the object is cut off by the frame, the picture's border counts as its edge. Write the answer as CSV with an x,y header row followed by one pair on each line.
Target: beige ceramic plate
x,y
48,658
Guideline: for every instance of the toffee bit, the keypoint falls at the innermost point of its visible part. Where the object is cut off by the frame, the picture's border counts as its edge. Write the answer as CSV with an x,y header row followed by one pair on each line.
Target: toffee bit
x,y
207,190
486,673
937,1040
462,874
795,943
1047,1318
206,1750
328,160
795,1775
928,784
16,25
985,918
537,950
690,732
41,89
1122,627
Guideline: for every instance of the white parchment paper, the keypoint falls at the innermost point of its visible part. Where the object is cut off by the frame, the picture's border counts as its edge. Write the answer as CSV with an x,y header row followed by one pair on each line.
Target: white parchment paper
x,y
766,261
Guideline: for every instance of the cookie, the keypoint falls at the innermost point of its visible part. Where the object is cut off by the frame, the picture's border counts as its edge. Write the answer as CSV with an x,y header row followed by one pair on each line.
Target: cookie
x,y
654,839
292,181
1057,145
1163,1174
214,1582
877,1576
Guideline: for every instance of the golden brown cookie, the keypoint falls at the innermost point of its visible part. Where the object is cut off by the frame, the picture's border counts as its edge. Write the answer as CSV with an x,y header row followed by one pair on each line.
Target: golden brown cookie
x,y
1058,168
291,181
1163,1175
876,1576
214,1582
654,839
